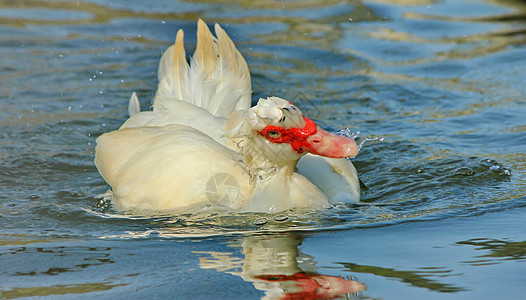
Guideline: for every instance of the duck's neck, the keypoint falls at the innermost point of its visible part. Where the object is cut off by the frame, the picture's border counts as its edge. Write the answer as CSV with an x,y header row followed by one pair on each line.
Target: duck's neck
x,y
277,187
264,162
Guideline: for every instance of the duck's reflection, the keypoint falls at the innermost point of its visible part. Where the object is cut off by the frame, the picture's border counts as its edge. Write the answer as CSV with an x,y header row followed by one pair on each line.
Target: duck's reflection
x,y
274,264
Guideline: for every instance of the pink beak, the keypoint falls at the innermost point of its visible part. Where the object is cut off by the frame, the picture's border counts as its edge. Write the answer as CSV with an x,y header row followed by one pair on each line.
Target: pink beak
x,y
326,144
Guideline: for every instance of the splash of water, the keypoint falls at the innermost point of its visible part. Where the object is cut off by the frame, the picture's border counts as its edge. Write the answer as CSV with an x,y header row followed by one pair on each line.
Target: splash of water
x,y
356,136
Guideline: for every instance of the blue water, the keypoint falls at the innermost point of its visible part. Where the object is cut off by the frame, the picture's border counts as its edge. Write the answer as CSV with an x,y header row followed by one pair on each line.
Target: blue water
x,y
443,195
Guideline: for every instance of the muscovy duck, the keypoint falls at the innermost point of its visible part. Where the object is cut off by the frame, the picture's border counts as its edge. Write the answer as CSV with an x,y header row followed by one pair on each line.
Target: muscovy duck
x,y
203,147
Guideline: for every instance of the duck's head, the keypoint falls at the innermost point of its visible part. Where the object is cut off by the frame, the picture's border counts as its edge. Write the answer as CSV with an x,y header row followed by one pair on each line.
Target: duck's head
x,y
277,131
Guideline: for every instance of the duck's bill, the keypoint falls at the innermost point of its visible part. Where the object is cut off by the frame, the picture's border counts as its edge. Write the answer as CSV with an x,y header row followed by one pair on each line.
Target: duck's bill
x,y
327,144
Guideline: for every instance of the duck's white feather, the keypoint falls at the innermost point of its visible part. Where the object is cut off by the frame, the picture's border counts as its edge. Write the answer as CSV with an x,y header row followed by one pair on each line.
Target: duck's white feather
x,y
339,180
217,81
269,194
173,74
187,114
134,107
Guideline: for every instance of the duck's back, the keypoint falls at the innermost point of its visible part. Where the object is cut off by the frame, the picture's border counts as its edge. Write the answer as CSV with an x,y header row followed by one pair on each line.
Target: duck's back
x,y
170,168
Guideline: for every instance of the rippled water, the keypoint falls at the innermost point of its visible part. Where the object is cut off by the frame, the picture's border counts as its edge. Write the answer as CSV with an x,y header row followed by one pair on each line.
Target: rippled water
x,y
444,193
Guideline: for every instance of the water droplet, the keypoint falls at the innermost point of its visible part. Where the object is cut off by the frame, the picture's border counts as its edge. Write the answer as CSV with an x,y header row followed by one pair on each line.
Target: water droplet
x,y
261,221
465,171
347,133
494,168
33,197
281,218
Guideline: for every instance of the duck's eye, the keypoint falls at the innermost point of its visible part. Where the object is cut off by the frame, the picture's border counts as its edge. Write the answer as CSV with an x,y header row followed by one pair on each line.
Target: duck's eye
x,y
274,134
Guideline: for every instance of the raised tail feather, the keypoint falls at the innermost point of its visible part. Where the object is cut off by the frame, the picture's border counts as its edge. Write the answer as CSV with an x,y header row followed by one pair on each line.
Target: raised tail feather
x,y
134,106
217,79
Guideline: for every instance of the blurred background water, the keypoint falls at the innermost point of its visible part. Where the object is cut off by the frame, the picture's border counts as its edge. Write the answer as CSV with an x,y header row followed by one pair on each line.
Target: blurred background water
x,y
443,201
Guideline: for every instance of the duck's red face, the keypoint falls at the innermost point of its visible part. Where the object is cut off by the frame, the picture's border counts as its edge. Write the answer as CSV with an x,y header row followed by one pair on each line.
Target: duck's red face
x,y
312,139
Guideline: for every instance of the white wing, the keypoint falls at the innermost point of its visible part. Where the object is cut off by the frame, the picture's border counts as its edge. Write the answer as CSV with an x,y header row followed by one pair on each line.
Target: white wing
x,y
218,79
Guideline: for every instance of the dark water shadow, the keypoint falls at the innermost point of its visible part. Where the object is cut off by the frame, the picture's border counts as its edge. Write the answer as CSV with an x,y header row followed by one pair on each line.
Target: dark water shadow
x,y
499,250
414,278
56,290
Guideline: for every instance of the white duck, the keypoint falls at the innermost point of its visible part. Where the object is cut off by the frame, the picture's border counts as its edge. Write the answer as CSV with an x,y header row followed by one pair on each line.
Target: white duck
x,y
203,147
